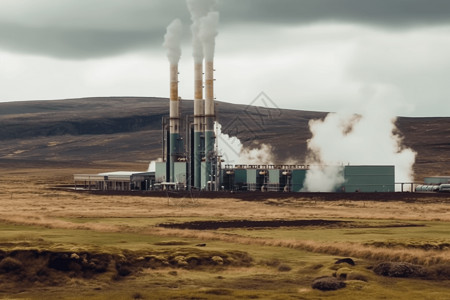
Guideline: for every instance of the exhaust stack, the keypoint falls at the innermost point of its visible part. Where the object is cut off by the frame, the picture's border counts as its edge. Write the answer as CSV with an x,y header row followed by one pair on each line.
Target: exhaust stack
x,y
210,117
198,123
175,141
172,42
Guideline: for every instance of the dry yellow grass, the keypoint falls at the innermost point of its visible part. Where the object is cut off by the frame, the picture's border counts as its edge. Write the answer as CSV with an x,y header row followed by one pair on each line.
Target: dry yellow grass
x,y
27,199
27,192
34,203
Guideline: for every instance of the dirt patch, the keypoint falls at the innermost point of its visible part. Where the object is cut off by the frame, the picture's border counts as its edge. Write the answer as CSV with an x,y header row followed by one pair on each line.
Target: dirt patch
x,y
293,197
255,224
213,225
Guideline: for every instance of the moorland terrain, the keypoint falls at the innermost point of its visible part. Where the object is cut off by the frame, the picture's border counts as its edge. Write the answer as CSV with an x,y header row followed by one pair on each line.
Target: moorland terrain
x,y
62,244
128,129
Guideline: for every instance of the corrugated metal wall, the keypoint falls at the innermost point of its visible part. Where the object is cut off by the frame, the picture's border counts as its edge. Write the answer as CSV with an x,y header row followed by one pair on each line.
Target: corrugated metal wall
x,y
369,179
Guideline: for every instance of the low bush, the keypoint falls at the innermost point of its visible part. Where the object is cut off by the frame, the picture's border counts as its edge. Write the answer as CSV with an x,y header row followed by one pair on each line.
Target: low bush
x,y
284,268
399,269
327,283
9,264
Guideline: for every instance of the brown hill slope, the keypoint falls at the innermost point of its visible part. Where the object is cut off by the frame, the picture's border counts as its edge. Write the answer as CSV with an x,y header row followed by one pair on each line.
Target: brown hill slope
x,y
128,129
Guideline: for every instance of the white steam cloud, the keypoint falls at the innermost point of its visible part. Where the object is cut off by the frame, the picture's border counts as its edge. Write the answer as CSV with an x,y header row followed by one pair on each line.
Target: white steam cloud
x,y
152,165
233,152
367,138
172,41
324,178
207,33
198,9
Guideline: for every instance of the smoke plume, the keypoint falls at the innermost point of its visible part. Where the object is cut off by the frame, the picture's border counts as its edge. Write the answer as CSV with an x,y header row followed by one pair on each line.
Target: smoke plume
x,y
233,152
367,138
172,41
198,9
207,34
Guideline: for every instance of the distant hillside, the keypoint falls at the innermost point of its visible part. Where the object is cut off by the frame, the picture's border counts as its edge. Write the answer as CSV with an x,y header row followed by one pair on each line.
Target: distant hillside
x,y
129,129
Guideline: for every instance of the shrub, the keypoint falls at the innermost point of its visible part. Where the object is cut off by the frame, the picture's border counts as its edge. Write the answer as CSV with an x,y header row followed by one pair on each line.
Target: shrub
x,y
60,262
441,271
284,268
346,261
123,270
399,269
327,283
10,264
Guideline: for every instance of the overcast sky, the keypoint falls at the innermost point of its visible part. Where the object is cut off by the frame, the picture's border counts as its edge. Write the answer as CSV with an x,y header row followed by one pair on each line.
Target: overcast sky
x,y
318,55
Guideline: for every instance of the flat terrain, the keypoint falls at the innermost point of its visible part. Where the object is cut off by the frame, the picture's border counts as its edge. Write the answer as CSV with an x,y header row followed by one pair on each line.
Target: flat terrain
x,y
62,244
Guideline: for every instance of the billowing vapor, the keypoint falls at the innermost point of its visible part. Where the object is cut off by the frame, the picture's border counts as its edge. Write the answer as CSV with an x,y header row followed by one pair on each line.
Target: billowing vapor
x,y
198,9
152,165
172,41
367,138
208,32
321,178
233,152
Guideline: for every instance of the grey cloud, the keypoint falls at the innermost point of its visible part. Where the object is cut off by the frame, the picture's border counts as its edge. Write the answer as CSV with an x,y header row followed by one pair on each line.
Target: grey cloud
x,y
83,29
75,43
385,13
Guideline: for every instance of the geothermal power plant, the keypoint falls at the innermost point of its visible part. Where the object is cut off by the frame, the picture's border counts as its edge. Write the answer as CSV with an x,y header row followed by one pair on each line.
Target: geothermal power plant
x,y
190,157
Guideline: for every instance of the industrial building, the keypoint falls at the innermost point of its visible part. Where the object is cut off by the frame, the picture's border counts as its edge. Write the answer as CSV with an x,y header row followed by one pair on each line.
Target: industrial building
x,y
191,160
274,178
116,181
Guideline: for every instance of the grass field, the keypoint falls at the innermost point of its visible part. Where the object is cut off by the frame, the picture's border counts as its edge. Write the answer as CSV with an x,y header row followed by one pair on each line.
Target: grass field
x,y
60,244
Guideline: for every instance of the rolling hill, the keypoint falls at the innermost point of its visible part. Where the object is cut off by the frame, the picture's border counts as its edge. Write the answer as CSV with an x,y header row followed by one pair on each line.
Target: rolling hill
x,y
128,129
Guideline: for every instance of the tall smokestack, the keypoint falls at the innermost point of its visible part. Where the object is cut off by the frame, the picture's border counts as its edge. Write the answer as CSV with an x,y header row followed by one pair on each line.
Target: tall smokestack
x,y
172,41
198,122
198,9
175,145
207,35
210,117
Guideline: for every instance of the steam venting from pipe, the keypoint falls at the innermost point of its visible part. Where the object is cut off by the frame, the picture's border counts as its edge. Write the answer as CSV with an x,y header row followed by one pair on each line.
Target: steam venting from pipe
x,y
367,138
233,152
172,41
